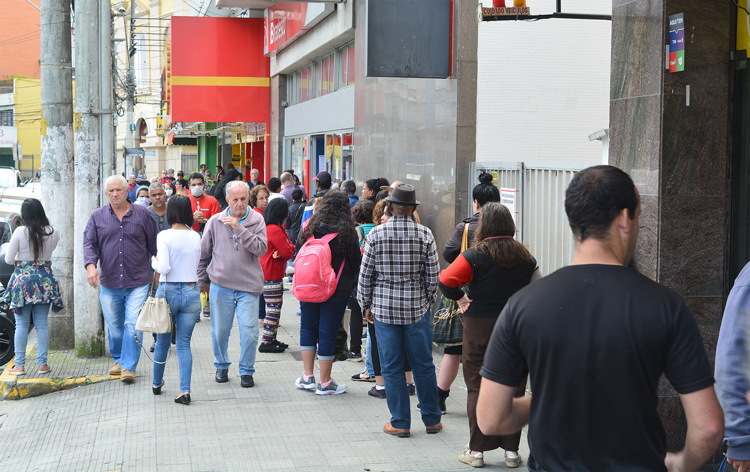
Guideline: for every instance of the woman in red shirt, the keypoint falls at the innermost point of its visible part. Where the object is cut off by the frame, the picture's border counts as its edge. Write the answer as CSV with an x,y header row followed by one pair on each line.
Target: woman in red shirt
x,y
280,250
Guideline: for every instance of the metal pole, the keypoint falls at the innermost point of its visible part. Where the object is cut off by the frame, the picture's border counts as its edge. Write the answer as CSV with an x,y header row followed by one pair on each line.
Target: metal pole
x,y
106,90
129,142
57,155
88,321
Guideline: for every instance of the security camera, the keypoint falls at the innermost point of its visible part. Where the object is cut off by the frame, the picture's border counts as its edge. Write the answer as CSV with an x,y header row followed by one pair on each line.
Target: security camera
x,y
121,11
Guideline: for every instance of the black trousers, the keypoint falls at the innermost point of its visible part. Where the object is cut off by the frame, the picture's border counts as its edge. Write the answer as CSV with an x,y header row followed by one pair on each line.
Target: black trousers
x,y
355,325
376,353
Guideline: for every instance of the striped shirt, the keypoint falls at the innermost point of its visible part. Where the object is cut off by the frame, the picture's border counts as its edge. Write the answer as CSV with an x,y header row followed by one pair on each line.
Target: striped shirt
x,y
398,279
123,248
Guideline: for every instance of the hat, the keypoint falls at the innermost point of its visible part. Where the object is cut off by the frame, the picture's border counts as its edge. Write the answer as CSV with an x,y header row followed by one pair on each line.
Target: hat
x,y
403,194
393,185
323,178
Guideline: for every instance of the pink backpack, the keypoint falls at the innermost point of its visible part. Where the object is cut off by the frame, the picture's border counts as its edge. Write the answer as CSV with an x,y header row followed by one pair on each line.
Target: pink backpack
x,y
314,279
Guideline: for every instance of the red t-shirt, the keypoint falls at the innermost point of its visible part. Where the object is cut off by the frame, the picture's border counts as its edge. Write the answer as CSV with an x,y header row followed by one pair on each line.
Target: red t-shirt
x,y
208,205
274,269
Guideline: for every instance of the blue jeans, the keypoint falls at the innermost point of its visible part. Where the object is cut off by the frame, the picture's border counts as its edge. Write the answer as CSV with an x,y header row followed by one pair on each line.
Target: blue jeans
x,y
185,304
368,354
23,319
417,339
225,303
120,307
319,325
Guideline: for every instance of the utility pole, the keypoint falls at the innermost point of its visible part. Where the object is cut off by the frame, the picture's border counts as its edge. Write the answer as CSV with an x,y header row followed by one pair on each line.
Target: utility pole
x,y
106,90
89,340
129,141
57,155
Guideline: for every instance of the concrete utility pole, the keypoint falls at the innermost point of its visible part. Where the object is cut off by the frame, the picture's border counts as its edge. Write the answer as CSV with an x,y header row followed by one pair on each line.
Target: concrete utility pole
x,y
57,155
89,341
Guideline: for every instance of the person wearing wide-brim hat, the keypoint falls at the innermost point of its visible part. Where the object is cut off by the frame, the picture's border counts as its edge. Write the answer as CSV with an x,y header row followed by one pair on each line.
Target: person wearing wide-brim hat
x,y
397,285
391,187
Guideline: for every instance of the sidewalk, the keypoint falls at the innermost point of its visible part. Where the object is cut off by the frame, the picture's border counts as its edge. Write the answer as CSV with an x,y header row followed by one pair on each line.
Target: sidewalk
x,y
108,426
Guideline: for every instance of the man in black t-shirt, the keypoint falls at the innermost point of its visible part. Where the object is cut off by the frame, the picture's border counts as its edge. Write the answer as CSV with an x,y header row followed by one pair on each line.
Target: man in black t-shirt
x,y
595,337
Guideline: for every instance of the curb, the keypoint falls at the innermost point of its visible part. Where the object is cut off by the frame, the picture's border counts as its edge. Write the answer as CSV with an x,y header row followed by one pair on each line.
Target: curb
x,y
14,388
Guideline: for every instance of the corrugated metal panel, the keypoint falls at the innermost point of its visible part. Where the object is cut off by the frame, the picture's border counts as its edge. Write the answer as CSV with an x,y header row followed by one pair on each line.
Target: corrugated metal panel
x,y
540,206
546,230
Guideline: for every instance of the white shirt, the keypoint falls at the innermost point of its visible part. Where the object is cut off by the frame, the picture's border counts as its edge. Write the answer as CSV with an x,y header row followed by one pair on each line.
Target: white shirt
x,y
177,255
272,196
19,248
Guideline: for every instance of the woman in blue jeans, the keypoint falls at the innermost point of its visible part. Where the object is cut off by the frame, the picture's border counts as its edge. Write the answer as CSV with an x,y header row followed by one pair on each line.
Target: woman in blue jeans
x,y
32,288
177,256
319,322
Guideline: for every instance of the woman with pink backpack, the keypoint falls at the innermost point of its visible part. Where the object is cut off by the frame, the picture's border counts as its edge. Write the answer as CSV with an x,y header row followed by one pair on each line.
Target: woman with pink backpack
x,y
338,272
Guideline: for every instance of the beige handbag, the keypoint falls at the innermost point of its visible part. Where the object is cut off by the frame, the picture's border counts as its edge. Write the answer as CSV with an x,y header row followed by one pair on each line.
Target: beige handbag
x,y
155,316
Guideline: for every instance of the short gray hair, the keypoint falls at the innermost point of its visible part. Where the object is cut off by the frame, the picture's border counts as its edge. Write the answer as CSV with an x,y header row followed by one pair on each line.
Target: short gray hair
x,y
349,187
155,185
285,177
235,184
117,178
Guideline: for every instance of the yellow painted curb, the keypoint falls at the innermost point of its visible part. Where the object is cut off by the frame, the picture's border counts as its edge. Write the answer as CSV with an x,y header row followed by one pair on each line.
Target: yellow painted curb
x,y
13,388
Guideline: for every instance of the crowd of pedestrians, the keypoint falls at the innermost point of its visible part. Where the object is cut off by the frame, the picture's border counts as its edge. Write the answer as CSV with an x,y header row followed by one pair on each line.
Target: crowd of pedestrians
x,y
593,338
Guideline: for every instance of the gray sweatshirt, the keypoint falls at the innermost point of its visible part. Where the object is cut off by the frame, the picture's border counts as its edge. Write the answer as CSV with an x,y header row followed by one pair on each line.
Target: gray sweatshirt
x,y
234,254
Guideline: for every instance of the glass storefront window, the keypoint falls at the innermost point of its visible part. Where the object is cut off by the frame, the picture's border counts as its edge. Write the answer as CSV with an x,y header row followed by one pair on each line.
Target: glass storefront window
x,y
346,156
350,65
294,155
344,69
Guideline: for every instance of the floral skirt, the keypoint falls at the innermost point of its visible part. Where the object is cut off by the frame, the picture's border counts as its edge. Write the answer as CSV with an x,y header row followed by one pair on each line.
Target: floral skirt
x,y
32,283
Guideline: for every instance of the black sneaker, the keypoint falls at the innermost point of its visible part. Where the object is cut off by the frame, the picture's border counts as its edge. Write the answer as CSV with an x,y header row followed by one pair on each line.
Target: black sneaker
x,y
276,342
341,356
374,392
270,347
355,357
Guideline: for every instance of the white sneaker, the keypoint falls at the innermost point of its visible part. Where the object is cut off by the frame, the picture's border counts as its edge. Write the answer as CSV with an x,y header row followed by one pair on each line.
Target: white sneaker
x,y
512,459
332,389
309,385
476,460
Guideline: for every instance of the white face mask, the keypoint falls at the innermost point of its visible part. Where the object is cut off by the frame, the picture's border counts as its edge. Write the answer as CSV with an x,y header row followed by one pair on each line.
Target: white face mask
x,y
169,192
197,190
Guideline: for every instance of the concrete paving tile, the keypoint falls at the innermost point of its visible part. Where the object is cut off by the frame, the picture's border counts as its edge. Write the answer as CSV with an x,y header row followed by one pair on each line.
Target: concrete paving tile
x,y
274,426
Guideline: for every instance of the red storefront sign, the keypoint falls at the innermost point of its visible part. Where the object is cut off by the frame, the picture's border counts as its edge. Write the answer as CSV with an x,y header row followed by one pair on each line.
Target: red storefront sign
x,y
219,72
286,21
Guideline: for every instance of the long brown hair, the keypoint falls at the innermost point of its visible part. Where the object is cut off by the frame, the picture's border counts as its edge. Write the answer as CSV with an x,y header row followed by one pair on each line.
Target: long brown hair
x,y
496,220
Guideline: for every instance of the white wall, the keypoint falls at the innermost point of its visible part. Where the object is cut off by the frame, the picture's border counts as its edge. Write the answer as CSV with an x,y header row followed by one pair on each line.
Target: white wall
x,y
543,87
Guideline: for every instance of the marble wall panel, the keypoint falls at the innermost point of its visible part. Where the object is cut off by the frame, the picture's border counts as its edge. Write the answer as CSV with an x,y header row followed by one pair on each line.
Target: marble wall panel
x,y
674,421
646,257
694,145
635,131
708,34
637,49
692,244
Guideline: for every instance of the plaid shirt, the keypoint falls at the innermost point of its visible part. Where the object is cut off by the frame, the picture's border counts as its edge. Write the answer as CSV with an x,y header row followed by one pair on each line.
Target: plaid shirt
x,y
398,279
123,248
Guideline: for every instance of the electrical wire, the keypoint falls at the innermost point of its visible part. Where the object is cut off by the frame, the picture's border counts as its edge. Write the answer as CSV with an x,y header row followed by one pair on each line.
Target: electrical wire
x,y
741,7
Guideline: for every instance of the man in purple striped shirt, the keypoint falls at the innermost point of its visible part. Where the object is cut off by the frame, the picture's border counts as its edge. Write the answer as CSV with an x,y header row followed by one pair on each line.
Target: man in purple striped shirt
x,y
121,237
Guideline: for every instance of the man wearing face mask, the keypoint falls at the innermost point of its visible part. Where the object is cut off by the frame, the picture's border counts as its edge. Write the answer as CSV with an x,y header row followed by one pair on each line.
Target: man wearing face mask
x,y
204,206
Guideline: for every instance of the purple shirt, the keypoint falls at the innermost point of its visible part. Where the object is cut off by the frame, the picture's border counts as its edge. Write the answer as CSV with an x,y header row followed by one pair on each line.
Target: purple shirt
x,y
287,192
123,249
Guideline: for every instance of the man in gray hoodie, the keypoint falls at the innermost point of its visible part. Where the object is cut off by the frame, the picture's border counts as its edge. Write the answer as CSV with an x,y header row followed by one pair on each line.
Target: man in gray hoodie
x,y
233,242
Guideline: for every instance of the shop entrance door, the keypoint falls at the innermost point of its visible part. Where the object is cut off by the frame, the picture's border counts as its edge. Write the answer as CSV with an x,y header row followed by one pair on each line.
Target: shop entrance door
x,y
317,156
739,249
